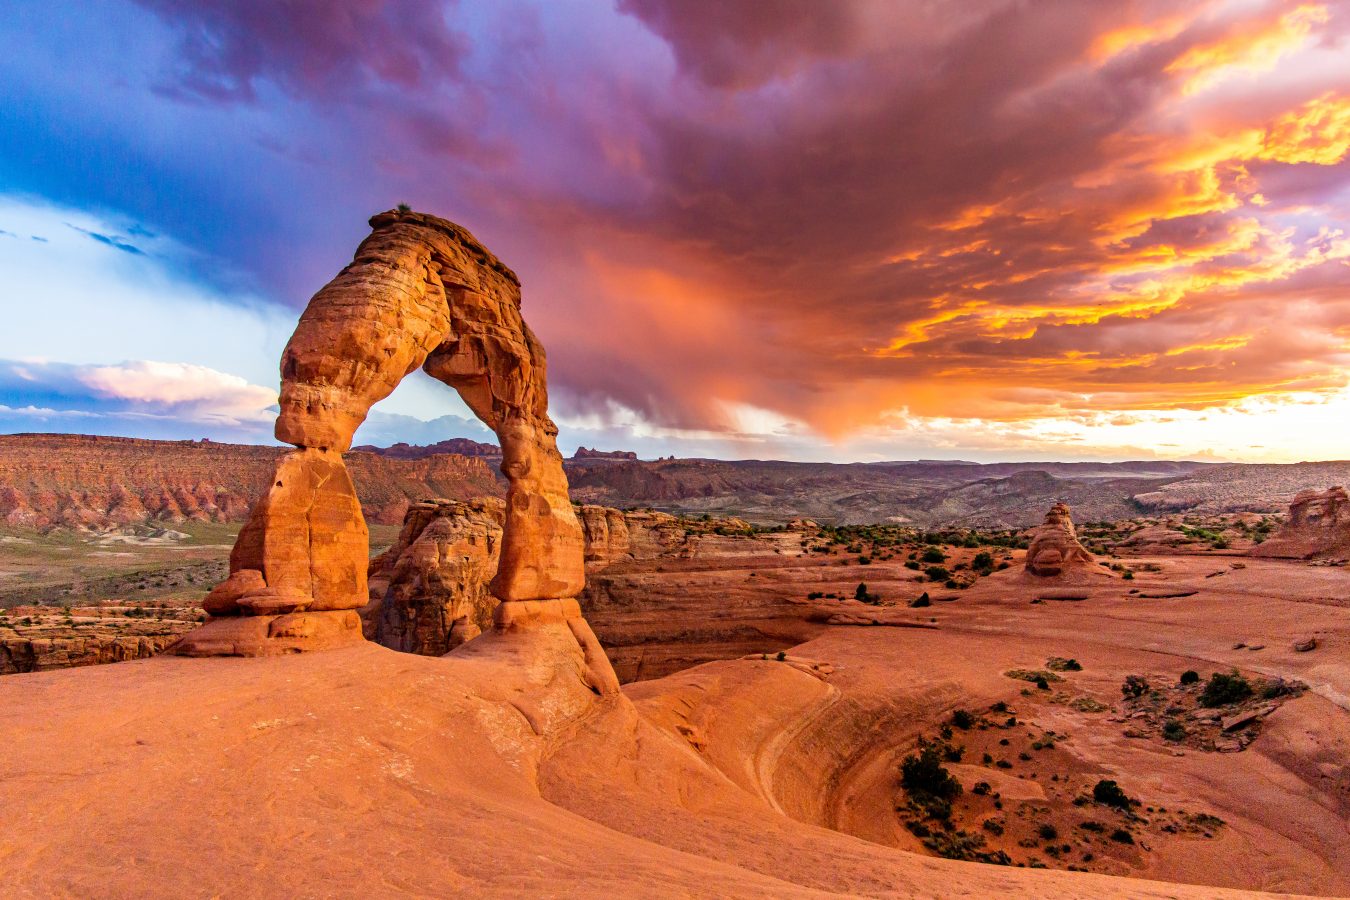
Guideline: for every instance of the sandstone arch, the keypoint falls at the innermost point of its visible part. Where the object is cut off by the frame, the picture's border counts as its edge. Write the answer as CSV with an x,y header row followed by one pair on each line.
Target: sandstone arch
x,y
420,291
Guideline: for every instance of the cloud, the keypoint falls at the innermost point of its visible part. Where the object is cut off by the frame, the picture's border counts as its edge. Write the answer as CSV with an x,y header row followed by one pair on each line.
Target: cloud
x,y
324,50
843,215
110,240
140,397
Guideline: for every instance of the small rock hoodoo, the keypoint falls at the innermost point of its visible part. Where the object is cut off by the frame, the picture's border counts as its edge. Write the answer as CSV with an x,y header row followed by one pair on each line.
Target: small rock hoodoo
x,y
1054,551
420,291
1318,525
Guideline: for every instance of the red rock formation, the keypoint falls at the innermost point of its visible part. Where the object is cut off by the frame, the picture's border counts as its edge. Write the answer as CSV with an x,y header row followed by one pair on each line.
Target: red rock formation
x,y
49,480
1054,551
459,446
429,591
587,453
1318,525
420,291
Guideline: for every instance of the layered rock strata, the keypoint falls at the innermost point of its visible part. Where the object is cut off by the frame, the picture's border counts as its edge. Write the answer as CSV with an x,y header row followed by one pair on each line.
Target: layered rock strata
x,y
420,292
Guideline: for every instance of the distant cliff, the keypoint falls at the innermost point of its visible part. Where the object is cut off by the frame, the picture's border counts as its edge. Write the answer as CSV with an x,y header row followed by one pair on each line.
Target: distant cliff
x,y
80,480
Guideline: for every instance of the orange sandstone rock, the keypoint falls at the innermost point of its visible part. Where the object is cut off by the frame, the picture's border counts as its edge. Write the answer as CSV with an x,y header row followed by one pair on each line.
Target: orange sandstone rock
x,y
1054,551
1318,526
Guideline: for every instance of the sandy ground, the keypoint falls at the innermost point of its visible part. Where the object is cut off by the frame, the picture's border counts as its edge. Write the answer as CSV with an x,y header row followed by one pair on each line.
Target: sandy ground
x,y
364,772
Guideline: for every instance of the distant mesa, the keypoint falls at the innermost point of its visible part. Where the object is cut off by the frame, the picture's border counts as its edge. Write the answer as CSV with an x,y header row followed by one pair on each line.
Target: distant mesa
x,y
1055,552
586,453
1318,526
460,446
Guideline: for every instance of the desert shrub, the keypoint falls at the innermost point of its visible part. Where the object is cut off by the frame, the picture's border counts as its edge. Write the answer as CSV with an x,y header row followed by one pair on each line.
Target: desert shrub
x,y
1223,690
993,826
782,656
1060,664
1047,832
1190,676
1108,793
923,776
860,592
1128,576
933,555
962,719
1090,825
937,573
912,565
1121,836
980,789
984,560
403,207
1173,730
1134,687
1278,687
964,845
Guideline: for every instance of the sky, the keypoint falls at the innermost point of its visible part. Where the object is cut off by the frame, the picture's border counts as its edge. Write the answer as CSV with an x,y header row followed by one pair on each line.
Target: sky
x,y
848,230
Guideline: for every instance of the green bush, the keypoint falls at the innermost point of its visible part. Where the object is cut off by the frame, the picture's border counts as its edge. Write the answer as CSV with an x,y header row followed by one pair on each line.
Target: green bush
x,y
1134,687
1224,690
937,573
1173,730
925,779
1190,676
1108,793
934,555
962,719
984,560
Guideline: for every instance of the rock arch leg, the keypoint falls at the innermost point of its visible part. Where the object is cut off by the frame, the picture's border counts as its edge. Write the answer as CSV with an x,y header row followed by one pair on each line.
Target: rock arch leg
x,y
420,291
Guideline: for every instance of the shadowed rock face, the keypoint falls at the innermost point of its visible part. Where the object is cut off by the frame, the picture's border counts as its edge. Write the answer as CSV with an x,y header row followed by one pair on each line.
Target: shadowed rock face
x,y
1318,525
429,590
420,291
1054,550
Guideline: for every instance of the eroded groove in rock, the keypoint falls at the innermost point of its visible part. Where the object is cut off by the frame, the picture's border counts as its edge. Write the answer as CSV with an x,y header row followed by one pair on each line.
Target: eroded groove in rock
x,y
420,291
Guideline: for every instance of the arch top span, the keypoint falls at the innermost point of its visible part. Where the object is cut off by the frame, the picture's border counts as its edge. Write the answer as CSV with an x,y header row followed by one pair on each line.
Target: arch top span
x,y
420,291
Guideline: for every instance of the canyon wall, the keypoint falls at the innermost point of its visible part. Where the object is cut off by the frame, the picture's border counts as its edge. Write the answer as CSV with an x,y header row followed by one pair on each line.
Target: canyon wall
x,y
87,481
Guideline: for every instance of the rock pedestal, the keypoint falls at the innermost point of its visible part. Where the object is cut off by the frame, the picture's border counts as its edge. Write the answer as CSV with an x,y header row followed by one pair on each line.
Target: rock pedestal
x,y
1054,551
421,291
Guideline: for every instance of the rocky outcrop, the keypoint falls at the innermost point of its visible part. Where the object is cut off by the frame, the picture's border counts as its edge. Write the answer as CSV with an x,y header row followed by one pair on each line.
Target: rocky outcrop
x,y
458,446
1054,551
22,654
587,453
429,591
1318,525
421,291
82,481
